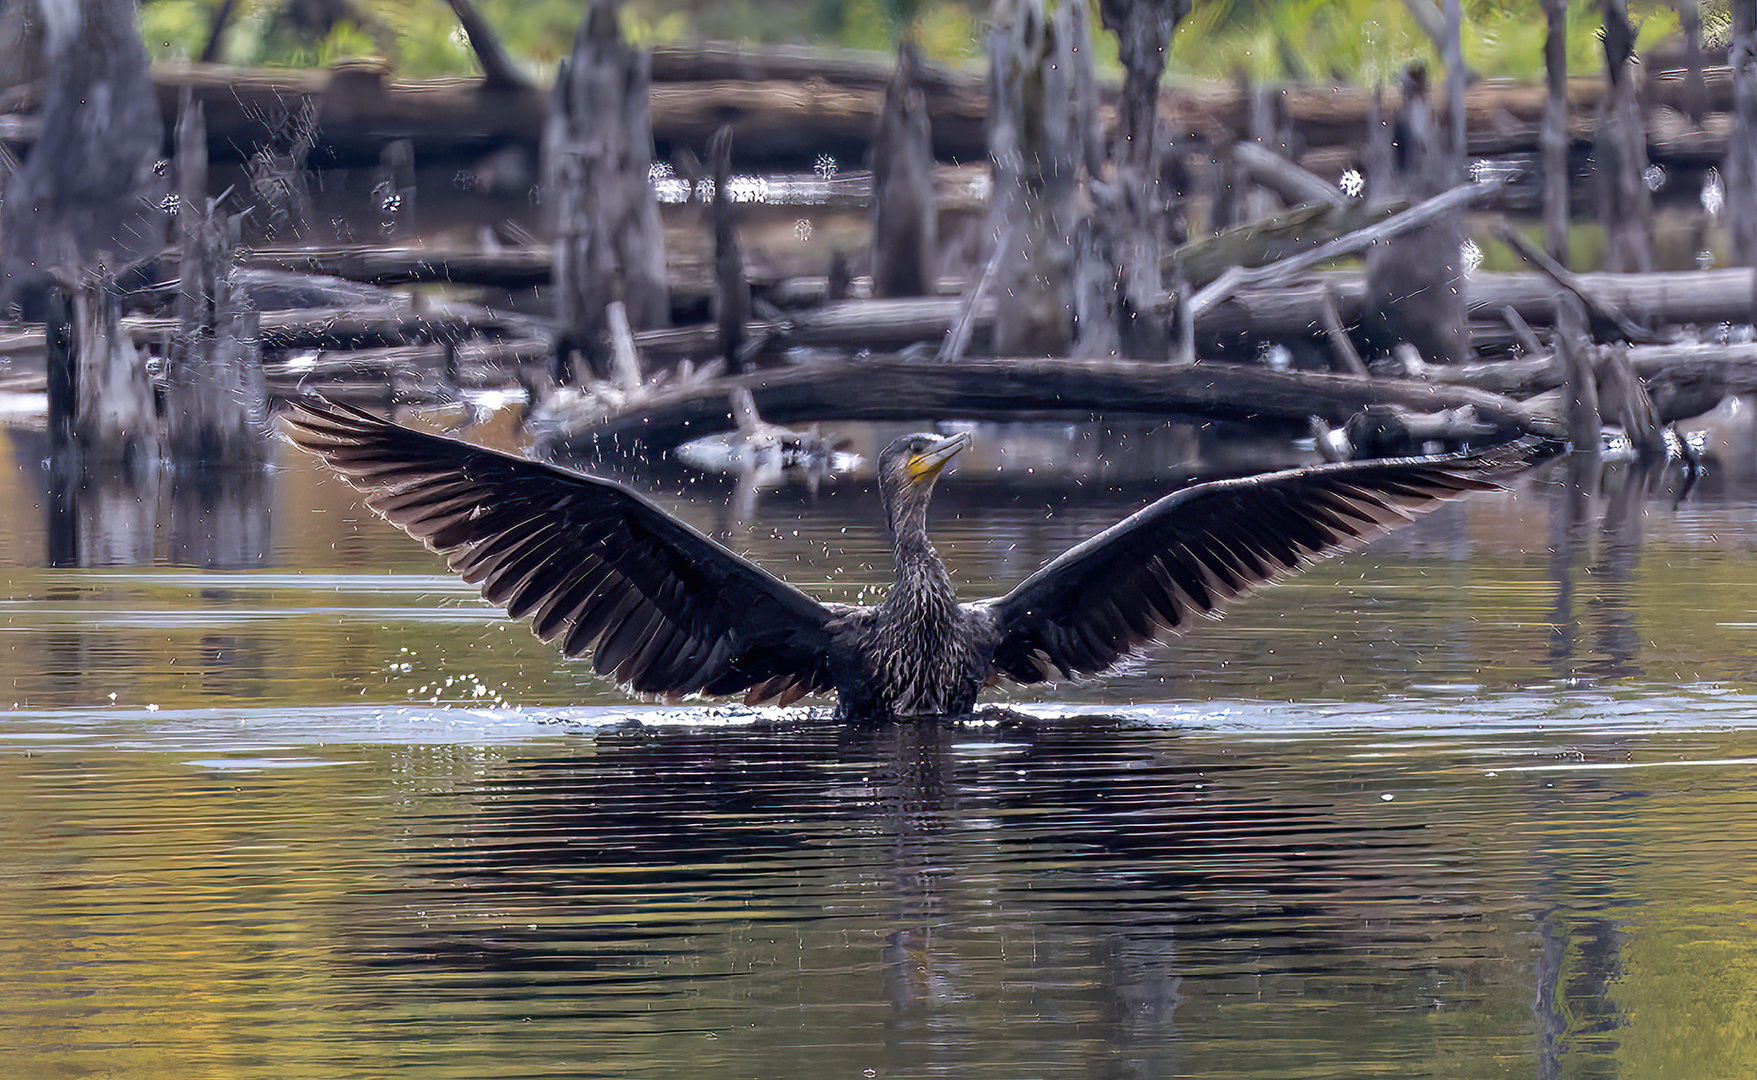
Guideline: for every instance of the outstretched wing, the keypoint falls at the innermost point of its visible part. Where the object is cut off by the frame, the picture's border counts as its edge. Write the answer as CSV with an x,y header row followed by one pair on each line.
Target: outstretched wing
x,y
1144,578
586,560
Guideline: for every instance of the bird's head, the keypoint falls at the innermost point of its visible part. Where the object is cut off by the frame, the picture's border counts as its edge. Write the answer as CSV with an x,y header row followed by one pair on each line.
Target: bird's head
x,y
908,467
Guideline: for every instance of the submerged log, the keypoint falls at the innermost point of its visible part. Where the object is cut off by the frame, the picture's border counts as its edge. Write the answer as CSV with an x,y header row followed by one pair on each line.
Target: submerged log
x,y
894,388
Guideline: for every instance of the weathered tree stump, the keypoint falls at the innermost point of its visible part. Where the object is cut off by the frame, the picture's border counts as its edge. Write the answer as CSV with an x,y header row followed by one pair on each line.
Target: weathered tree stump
x,y
1135,216
280,191
1619,153
1553,137
1036,146
604,220
102,411
1740,167
1580,408
731,286
87,192
1624,400
215,397
905,216
1415,283
394,190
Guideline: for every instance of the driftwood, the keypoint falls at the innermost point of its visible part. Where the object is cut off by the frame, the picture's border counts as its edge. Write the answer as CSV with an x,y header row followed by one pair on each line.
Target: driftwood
x,y
892,388
1380,431
957,339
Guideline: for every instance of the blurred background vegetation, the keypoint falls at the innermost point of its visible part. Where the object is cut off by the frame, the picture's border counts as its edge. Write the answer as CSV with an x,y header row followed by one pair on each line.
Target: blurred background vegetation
x,y
1312,41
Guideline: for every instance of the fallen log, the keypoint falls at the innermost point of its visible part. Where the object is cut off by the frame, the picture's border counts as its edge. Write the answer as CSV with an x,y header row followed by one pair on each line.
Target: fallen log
x,y
790,105
1698,297
1679,297
1278,273
345,328
896,389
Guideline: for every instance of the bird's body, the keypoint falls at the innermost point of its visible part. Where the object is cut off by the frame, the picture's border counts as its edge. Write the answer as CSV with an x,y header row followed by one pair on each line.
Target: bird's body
x,y
670,612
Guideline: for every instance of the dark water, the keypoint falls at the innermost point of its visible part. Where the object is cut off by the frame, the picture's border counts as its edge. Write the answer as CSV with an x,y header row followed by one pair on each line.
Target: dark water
x,y
1475,802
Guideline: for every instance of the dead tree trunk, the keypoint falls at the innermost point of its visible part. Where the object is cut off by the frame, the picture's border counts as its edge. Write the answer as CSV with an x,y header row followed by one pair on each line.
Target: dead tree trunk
x,y
1740,167
87,194
498,70
394,190
1580,411
217,408
1136,214
1415,283
1620,153
1035,142
101,408
597,151
731,287
905,218
1554,135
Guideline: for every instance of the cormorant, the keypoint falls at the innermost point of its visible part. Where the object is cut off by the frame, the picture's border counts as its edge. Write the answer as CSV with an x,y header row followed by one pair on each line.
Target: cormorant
x,y
672,613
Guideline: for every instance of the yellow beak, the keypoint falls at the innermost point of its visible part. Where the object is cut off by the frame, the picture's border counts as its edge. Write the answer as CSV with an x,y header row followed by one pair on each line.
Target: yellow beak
x,y
928,463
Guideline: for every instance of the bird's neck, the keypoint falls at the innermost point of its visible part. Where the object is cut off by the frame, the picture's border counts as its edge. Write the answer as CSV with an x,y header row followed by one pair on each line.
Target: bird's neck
x,y
921,586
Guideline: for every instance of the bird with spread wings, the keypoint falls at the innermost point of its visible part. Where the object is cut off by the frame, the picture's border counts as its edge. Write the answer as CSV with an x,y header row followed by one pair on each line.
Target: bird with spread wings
x,y
594,565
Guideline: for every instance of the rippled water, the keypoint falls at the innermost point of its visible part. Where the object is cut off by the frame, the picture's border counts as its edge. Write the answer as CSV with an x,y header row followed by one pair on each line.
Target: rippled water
x,y
1475,802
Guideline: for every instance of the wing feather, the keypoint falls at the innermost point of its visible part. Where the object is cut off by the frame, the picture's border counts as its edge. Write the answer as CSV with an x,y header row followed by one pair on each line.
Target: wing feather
x,y
588,561
1194,550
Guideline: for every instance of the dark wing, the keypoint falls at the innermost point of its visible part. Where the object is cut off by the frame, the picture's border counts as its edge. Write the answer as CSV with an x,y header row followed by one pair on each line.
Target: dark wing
x,y
586,560
1144,578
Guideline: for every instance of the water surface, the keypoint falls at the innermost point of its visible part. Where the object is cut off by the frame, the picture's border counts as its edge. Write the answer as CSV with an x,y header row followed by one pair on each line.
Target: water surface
x,y
1474,802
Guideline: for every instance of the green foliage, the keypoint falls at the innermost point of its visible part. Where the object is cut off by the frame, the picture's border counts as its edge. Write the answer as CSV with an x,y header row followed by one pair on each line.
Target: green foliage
x,y
174,29
1352,41
1370,41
